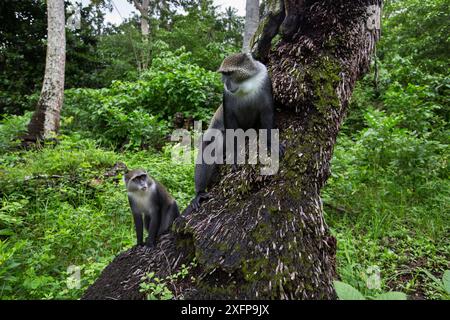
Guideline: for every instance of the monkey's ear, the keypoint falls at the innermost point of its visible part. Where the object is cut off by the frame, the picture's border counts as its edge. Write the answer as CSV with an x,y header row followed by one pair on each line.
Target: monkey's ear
x,y
126,176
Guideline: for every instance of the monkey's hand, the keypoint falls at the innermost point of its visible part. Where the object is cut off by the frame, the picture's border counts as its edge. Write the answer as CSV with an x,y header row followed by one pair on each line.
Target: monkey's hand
x,y
198,199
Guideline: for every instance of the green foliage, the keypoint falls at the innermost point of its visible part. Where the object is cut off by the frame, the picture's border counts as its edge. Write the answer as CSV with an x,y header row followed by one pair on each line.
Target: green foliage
x,y
98,54
174,84
137,114
11,128
23,33
446,281
117,46
59,209
443,285
347,292
22,52
210,36
387,198
419,31
198,27
157,289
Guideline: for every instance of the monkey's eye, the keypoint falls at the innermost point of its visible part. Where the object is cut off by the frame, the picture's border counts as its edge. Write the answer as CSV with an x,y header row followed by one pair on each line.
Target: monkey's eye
x,y
226,73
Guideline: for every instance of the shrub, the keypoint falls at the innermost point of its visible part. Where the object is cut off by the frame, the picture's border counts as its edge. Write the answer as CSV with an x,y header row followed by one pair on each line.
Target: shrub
x,y
11,127
137,114
60,212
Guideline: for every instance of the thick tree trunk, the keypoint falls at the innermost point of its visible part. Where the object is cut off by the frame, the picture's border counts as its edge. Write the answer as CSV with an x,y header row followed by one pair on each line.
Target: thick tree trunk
x,y
265,236
251,22
45,121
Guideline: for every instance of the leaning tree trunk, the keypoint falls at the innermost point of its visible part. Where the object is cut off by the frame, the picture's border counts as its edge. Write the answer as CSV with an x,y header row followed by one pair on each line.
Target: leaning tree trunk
x,y
251,22
265,236
45,120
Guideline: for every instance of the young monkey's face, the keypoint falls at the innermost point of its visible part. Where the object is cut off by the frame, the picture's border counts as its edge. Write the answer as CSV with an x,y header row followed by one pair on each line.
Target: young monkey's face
x,y
141,183
138,180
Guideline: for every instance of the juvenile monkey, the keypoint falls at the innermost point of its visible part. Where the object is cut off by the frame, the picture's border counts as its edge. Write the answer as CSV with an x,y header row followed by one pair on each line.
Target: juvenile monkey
x,y
247,103
153,208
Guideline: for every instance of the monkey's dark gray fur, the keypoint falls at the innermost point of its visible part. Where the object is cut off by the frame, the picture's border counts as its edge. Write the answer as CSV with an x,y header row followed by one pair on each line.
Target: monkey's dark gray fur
x,y
247,103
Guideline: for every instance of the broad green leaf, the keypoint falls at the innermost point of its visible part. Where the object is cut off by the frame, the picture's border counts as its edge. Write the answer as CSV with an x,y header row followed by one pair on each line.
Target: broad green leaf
x,y
393,295
347,292
446,281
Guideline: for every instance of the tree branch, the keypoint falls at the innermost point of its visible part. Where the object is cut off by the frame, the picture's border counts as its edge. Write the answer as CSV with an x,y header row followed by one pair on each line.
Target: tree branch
x,y
138,6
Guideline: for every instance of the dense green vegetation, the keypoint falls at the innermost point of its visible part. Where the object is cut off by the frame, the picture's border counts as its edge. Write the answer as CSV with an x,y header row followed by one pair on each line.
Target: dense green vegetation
x,y
388,197
387,201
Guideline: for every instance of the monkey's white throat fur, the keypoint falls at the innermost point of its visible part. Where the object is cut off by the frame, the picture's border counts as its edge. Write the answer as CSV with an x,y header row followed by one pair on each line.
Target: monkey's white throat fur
x,y
253,85
142,198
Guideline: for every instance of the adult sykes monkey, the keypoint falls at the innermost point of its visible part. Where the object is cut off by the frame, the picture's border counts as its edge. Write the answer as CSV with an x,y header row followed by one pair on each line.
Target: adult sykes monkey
x,y
247,103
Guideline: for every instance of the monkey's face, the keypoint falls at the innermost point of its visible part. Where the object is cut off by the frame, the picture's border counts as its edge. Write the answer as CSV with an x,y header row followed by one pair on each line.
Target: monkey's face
x,y
236,69
139,183
230,82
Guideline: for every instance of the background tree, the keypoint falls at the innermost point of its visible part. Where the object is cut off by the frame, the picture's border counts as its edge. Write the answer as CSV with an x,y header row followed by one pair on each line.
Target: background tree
x,y
265,237
45,121
251,22
143,7
22,52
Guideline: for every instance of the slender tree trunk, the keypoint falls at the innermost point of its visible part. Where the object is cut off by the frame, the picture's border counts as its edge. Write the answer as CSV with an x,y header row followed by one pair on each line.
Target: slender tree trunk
x,y
45,121
251,22
143,8
145,27
262,237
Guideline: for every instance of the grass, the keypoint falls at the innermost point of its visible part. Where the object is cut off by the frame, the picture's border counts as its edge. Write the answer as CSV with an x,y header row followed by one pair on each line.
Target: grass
x,y
387,224
60,212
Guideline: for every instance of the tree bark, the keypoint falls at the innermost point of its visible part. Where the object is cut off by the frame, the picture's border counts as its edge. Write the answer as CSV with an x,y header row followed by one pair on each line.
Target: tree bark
x,y
251,22
264,237
145,28
143,8
44,123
